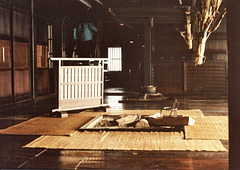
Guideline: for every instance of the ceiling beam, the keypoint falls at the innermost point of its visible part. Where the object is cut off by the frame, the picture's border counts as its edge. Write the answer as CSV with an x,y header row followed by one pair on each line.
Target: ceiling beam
x,y
160,19
145,12
86,3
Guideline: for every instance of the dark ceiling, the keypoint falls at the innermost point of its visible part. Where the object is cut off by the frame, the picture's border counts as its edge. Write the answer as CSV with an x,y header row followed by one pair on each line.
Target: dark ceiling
x,y
139,11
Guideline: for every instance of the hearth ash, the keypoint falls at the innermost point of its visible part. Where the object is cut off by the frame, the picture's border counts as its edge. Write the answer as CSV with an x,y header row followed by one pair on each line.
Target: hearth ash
x,y
142,121
137,122
123,121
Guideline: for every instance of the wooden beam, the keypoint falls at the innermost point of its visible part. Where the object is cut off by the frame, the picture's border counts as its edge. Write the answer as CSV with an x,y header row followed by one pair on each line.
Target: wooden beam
x,y
171,121
157,20
143,3
233,38
146,12
98,2
141,15
91,3
86,3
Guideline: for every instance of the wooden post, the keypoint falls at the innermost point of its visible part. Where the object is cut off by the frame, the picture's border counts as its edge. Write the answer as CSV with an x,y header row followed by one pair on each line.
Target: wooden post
x,y
33,60
12,54
147,54
59,86
233,38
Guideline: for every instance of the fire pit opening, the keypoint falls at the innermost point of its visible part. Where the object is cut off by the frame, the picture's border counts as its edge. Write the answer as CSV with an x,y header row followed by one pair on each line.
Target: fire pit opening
x,y
136,122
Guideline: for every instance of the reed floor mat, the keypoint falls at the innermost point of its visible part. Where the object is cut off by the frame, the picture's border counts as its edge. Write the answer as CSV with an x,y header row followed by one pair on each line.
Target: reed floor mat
x,y
44,125
161,141
208,128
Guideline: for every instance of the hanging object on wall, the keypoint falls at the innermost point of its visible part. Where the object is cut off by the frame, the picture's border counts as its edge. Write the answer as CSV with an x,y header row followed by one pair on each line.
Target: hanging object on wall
x,y
207,20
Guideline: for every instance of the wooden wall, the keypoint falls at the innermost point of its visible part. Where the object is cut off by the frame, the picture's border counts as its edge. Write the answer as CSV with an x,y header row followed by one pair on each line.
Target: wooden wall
x,y
14,54
43,81
22,84
185,78
168,77
43,72
210,78
5,84
5,72
22,77
16,66
173,68
168,43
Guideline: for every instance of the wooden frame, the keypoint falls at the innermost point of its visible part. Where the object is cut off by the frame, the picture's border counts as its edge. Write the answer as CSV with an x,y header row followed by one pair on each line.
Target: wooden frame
x,y
80,87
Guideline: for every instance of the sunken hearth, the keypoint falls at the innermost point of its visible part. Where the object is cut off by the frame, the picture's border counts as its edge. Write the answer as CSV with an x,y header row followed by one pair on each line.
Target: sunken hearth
x,y
137,122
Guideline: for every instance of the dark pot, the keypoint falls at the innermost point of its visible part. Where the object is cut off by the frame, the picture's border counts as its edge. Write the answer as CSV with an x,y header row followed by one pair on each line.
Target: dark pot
x,y
149,89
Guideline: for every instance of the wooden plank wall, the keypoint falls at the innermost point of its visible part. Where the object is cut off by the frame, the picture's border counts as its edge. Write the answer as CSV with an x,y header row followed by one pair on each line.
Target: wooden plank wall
x,y
5,72
22,78
173,69
209,78
185,78
168,77
43,81
22,84
15,56
5,86
43,72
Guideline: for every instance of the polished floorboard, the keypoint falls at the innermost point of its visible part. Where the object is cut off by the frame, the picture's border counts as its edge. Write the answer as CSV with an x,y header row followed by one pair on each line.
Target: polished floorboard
x,y
13,156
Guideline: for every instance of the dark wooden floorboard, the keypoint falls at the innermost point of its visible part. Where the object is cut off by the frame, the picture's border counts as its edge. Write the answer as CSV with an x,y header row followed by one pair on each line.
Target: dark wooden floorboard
x,y
71,159
13,156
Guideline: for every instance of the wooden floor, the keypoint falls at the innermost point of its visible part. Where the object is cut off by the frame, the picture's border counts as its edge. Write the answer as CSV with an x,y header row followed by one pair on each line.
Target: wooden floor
x,y
13,156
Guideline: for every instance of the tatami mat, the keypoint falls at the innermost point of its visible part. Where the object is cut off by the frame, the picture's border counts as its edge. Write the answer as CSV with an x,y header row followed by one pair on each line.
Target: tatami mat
x,y
44,125
209,127
164,141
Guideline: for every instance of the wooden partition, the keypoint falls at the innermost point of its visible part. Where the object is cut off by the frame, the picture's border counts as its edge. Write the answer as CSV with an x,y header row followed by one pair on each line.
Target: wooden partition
x,y
5,72
5,86
43,81
186,78
43,72
209,78
79,87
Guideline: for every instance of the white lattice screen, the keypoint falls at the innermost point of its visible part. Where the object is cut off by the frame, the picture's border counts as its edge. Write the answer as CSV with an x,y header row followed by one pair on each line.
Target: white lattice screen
x,y
81,82
80,86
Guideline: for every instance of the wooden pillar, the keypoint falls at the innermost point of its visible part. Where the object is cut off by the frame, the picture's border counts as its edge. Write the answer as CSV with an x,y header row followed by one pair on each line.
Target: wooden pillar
x,y
33,60
233,38
12,54
148,54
